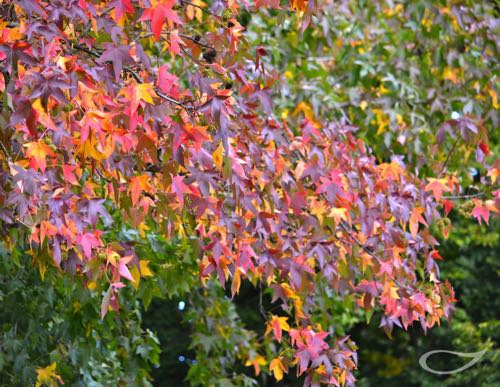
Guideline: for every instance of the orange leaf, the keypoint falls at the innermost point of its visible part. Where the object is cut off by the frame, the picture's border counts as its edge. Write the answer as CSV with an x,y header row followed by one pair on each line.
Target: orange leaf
x,y
137,185
235,285
416,218
38,151
217,156
437,186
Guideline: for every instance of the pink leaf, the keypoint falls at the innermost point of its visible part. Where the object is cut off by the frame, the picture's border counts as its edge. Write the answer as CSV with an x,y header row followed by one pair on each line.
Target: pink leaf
x,y
123,269
481,212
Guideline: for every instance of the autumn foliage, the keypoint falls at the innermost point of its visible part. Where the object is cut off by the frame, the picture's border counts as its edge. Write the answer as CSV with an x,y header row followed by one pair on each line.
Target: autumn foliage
x,y
120,112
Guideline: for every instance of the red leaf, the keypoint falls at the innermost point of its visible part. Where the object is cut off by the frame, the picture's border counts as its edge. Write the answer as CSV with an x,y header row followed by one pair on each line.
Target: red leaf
x,y
68,174
484,147
158,14
448,205
168,82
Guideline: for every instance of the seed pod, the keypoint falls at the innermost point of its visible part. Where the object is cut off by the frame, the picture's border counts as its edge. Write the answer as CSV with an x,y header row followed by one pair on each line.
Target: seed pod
x,y
210,55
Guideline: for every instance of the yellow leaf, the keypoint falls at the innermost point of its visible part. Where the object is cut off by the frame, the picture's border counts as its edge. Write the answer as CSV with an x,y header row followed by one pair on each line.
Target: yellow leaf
x,y
399,119
381,120
43,118
318,209
88,149
427,23
297,304
306,109
256,362
493,174
342,378
494,98
382,89
288,291
43,268
390,291
112,257
217,156
136,276
338,214
282,322
142,229
145,270
47,376
277,368
450,74
145,91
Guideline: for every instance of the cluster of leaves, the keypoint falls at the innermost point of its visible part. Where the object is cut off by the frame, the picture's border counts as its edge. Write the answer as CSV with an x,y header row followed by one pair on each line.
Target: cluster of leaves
x,y
51,331
399,70
157,116
220,341
470,262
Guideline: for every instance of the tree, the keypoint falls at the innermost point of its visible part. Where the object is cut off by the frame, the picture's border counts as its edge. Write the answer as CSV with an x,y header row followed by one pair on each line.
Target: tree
x,y
131,126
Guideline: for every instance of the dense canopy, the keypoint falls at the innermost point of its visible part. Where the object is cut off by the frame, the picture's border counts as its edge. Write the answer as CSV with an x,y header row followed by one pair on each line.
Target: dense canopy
x,y
309,148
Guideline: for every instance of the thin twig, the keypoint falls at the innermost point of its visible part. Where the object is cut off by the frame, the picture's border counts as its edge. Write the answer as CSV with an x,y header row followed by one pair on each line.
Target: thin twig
x,y
194,40
133,73
459,197
158,92
449,156
197,41
106,11
138,79
7,154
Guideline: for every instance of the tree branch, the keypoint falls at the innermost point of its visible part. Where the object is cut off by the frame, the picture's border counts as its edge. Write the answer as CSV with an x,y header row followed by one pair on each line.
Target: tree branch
x,y
459,197
449,156
136,76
